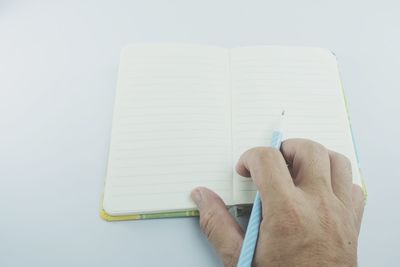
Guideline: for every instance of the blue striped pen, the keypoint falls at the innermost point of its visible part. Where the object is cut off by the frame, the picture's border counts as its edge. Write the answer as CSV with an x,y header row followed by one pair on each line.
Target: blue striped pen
x,y
250,239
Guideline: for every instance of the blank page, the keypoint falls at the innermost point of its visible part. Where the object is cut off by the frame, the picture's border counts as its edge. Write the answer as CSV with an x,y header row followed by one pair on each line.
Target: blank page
x,y
303,81
171,128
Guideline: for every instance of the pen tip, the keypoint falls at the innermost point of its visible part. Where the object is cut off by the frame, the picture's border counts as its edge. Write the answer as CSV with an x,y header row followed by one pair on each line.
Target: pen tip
x,y
283,112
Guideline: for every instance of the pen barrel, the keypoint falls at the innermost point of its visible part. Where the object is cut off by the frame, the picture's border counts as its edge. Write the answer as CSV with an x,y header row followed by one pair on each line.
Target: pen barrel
x,y
276,139
250,239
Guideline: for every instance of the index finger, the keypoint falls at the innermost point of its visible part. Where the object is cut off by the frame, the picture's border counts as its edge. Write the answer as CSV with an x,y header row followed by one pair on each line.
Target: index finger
x,y
268,169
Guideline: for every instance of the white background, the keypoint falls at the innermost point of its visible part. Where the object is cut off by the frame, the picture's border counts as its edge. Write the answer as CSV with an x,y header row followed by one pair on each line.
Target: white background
x,y
58,66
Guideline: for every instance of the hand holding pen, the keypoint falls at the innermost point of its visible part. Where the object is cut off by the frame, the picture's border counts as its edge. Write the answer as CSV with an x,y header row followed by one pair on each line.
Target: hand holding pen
x,y
311,211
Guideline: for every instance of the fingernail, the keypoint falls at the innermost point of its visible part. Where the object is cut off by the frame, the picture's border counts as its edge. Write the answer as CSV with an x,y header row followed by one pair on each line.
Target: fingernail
x,y
196,196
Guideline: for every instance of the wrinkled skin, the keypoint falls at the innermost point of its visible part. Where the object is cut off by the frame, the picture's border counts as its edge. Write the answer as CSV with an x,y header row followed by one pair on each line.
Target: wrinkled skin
x,y
311,210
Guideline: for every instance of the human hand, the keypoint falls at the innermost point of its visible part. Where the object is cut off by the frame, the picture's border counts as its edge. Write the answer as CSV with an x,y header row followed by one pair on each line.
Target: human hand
x,y
311,210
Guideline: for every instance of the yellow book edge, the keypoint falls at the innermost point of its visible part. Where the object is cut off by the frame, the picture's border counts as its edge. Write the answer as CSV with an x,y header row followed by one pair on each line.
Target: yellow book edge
x,y
168,214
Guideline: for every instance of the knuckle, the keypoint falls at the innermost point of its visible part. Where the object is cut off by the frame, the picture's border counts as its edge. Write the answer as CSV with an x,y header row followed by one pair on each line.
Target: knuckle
x,y
341,162
315,148
263,154
343,159
207,222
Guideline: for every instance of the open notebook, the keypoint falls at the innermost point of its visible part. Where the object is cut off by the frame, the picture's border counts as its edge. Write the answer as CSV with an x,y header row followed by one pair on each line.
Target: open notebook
x,y
184,114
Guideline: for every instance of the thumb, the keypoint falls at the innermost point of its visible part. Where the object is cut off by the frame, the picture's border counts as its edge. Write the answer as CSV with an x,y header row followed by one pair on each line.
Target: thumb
x,y
218,224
